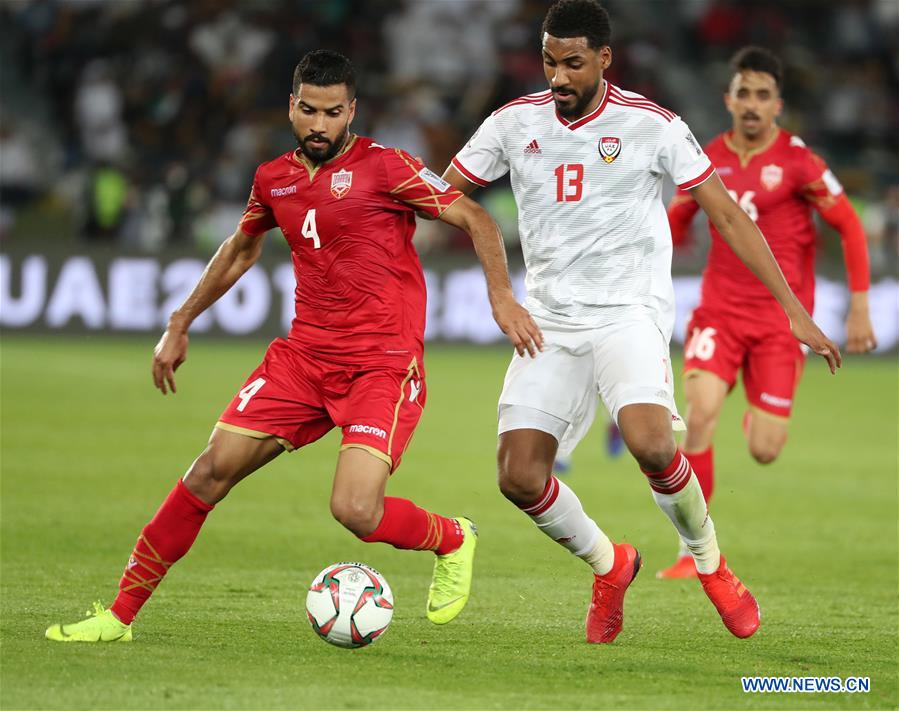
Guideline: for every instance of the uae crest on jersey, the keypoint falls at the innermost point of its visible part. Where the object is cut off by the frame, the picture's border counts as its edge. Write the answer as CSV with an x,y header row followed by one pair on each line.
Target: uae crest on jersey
x,y
772,176
609,148
341,182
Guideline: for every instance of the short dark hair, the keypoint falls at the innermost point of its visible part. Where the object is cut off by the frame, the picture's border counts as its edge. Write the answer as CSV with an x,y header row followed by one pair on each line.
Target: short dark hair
x,y
579,18
324,67
758,59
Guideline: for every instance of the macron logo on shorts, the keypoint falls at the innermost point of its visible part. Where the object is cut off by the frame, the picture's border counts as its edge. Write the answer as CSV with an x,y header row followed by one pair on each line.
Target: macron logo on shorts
x,y
776,401
367,429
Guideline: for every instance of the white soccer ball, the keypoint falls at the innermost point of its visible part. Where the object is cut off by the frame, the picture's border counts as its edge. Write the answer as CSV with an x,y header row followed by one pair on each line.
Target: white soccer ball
x,y
349,604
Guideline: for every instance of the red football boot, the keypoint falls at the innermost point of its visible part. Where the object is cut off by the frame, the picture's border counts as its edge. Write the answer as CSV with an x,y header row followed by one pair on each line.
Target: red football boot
x,y
604,616
738,609
685,567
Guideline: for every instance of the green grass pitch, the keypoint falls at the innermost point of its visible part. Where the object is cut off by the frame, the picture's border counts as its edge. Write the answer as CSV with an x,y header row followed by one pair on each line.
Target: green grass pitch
x,y
89,450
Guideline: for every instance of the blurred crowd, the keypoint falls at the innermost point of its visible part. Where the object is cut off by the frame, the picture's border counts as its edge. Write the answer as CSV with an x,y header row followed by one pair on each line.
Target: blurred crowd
x,y
140,123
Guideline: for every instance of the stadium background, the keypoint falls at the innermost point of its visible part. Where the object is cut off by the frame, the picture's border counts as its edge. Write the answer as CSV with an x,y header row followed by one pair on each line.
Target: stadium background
x,y
129,133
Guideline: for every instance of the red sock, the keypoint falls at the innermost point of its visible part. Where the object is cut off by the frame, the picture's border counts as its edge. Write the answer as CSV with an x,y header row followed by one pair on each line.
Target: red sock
x,y
672,478
408,527
704,468
169,535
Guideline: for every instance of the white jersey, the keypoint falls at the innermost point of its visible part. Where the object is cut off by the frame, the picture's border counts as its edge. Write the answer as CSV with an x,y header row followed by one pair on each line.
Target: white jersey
x,y
593,228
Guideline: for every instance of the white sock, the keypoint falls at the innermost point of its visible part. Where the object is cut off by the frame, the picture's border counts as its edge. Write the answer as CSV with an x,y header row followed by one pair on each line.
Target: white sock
x,y
559,514
677,492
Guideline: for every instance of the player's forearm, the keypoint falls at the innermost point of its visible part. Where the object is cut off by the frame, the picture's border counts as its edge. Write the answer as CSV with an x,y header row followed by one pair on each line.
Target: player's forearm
x,y
843,218
488,244
747,242
467,215
231,261
858,302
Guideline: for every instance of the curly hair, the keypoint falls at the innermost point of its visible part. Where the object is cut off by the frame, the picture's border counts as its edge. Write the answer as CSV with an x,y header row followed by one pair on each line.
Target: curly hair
x,y
579,18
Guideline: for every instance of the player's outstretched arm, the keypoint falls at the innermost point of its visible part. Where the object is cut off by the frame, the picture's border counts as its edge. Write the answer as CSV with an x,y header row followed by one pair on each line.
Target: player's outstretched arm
x,y
840,215
510,316
748,244
235,256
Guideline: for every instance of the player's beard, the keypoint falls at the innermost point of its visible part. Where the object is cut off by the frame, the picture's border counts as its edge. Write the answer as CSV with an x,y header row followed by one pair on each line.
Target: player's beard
x,y
580,105
320,155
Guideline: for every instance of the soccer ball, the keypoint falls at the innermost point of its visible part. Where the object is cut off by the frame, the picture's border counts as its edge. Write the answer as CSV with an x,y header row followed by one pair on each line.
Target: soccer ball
x,y
349,604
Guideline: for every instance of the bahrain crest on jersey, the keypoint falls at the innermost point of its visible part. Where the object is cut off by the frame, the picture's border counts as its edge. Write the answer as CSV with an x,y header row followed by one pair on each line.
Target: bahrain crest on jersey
x,y
772,176
609,148
341,182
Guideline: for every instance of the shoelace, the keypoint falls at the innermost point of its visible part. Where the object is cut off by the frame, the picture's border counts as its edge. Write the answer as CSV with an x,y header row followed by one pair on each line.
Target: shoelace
x,y
730,580
443,585
97,610
606,584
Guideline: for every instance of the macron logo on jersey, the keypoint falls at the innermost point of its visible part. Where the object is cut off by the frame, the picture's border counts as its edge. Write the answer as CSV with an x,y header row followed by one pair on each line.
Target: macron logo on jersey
x,y
775,400
532,148
281,192
367,429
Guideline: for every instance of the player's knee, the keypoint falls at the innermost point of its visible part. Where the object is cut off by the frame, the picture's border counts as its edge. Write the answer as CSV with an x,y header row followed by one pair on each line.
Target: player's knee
x,y
701,418
653,454
208,479
519,481
765,452
766,443
647,433
359,516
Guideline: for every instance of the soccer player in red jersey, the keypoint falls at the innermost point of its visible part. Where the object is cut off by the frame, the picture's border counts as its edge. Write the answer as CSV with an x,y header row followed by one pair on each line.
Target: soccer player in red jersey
x,y
738,326
353,357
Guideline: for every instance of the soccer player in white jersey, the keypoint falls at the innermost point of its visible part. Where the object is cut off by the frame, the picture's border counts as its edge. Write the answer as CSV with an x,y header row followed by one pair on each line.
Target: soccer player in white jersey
x,y
587,160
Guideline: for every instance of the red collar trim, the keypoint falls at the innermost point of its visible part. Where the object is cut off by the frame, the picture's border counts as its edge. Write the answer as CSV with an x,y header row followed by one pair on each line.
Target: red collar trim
x,y
574,125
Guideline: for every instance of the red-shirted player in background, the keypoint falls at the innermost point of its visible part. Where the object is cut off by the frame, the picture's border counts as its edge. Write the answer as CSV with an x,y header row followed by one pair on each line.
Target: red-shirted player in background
x,y
353,358
738,325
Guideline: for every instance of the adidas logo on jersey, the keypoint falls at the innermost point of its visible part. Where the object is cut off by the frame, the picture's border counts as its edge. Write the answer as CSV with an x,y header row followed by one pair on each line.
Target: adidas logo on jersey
x,y
532,148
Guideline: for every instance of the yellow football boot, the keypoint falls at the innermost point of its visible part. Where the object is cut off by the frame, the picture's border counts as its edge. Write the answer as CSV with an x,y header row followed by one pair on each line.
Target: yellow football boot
x,y
451,584
100,626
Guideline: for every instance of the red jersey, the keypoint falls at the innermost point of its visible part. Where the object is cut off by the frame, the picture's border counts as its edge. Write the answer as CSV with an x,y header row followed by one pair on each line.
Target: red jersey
x,y
777,186
349,223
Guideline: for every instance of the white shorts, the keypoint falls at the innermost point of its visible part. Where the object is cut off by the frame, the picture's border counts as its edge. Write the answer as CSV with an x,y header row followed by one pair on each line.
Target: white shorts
x,y
624,363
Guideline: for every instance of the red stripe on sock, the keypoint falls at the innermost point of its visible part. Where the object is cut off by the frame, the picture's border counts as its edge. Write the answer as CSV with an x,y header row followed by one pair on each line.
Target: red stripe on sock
x,y
672,478
547,498
408,527
166,538
703,465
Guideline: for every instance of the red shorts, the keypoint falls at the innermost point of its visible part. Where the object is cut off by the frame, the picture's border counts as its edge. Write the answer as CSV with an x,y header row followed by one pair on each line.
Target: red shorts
x,y
297,397
771,358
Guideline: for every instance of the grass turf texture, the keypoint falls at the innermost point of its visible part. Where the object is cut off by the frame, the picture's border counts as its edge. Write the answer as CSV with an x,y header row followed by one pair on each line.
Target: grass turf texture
x,y
90,450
